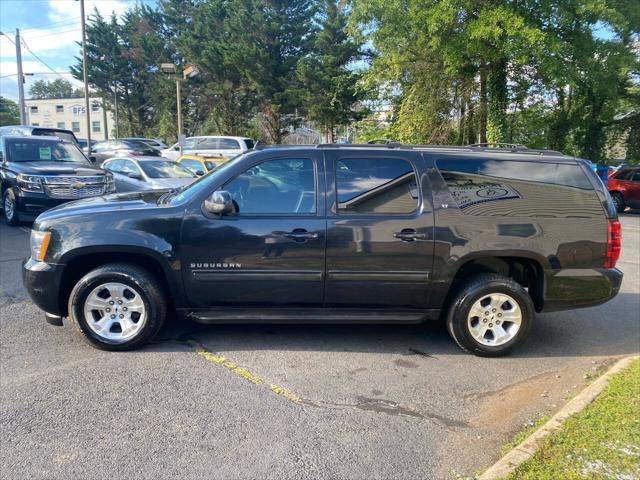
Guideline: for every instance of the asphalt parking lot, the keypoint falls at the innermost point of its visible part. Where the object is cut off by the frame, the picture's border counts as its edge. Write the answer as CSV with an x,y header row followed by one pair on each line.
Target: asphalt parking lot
x,y
228,402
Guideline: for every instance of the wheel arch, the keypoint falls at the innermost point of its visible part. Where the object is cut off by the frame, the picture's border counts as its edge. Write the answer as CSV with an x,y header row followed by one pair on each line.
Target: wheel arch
x,y
83,261
527,270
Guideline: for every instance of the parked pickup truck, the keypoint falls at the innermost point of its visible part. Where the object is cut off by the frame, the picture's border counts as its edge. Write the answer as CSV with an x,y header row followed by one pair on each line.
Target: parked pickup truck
x,y
480,238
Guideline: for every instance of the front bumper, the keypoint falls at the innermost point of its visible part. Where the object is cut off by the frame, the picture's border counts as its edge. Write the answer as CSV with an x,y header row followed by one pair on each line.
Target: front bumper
x,y
43,281
32,204
578,288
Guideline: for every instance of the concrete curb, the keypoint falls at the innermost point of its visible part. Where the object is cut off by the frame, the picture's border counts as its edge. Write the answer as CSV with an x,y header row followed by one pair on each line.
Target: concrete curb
x,y
525,450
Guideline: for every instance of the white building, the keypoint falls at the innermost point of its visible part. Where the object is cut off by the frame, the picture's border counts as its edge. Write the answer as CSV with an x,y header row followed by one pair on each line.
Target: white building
x,y
69,113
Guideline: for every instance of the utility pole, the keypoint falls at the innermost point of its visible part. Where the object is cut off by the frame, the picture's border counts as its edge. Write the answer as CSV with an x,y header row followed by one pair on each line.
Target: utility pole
x,y
23,110
115,104
104,119
84,75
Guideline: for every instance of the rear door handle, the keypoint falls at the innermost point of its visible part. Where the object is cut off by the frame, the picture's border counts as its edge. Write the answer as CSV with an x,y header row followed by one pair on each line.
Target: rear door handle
x,y
409,235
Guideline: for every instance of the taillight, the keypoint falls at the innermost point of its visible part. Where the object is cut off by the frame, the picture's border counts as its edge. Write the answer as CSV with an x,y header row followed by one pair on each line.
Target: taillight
x,y
614,243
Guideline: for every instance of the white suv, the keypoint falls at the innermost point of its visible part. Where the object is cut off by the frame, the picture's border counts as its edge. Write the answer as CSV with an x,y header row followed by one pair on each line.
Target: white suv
x,y
210,146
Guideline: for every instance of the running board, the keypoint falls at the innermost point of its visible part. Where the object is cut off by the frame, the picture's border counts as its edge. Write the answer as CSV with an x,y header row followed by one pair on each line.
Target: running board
x,y
306,315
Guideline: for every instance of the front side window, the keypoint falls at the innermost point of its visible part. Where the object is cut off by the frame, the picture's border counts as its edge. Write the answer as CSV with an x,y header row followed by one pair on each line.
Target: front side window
x,y
376,185
282,187
208,143
164,169
249,143
114,166
129,167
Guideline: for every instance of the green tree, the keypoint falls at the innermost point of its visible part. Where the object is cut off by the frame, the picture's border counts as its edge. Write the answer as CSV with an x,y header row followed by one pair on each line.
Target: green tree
x,y
58,88
270,37
331,86
9,112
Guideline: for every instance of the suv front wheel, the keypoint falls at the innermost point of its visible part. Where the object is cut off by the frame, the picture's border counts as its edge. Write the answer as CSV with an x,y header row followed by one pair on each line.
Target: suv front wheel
x,y
490,316
118,306
10,207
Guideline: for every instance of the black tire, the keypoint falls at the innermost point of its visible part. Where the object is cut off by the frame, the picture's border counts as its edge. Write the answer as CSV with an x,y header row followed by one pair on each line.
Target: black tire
x,y
618,201
12,217
141,282
475,289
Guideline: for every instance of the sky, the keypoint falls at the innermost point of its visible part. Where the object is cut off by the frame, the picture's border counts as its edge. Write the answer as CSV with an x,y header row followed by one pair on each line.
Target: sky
x,y
50,30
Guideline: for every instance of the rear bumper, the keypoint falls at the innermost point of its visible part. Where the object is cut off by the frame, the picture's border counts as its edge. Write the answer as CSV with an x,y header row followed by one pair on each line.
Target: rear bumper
x,y
42,281
578,288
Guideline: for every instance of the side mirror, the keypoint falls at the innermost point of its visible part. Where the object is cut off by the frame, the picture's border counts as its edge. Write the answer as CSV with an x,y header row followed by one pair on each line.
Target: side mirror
x,y
220,203
199,173
92,159
135,175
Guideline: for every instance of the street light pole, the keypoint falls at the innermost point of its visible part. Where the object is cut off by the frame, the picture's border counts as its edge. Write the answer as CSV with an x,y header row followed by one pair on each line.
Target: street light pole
x,y
23,113
179,106
84,75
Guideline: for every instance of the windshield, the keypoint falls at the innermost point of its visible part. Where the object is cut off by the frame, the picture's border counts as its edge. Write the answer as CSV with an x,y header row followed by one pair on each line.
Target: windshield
x,y
203,182
164,169
43,150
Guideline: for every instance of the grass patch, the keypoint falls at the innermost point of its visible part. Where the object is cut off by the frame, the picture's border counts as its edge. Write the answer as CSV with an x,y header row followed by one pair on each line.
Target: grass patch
x,y
601,442
528,430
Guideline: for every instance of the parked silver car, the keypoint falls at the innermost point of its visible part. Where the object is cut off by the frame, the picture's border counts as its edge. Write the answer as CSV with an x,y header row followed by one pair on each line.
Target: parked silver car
x,y
147,173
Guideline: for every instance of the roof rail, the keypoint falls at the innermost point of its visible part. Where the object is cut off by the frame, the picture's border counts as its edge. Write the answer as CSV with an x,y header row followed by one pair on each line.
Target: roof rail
x,y
513,146
505,148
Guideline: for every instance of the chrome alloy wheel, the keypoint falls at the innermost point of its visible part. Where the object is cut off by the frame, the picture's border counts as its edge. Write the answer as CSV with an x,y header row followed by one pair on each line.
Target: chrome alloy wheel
x,y
494,319
115,312
9,206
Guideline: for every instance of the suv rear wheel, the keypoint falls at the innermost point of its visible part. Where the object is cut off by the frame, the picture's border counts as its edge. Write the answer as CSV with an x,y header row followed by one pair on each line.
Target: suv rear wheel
x,y
490,316
117,306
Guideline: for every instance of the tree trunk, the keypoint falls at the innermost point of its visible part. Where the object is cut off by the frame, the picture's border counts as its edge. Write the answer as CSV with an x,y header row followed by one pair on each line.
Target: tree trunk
x,y
498,101
483,104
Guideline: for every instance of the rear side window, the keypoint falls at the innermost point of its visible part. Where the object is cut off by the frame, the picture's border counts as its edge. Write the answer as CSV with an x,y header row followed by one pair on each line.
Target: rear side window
x,y
229,144
376,185
519,188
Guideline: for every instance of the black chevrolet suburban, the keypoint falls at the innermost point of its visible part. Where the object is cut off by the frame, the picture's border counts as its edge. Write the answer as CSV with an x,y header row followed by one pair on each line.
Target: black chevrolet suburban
x,y
481,238
40,172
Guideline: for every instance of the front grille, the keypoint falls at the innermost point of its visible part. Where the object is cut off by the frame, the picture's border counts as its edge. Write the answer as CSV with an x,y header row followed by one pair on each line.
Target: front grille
x,y
74,187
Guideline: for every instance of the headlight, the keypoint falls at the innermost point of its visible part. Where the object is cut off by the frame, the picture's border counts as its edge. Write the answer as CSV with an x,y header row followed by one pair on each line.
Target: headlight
x,y
109,184
30,183
39,244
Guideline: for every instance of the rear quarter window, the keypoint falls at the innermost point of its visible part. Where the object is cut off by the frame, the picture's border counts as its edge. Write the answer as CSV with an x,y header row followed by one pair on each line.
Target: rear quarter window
x,y
520,188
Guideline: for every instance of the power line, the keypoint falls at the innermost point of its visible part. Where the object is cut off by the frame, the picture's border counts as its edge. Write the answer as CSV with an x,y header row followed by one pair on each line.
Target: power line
x,y
37,73
59,23
38,58
54,33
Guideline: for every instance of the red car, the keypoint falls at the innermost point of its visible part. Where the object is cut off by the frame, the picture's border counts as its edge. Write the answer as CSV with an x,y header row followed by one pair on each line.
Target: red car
x,y
624,187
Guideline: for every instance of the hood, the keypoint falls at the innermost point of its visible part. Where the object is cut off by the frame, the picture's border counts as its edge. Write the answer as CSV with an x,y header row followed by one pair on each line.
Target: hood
x,y
107,203
168,183
55,168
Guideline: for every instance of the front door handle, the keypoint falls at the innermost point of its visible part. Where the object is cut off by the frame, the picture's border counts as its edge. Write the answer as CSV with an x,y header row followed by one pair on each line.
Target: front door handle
x,y
409,235
297,234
